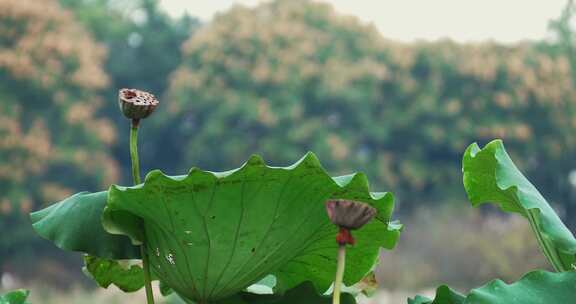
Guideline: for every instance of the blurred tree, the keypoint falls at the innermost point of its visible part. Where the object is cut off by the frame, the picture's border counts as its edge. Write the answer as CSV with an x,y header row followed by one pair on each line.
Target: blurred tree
x,y
291,76
51,141
443,96
563,44
279,79
143,45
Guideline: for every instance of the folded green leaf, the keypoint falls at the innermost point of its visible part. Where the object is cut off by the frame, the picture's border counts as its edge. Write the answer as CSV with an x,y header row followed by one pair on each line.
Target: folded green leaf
x,y
210,235
15,297
536,287
491,176
127,276
74,224
304,293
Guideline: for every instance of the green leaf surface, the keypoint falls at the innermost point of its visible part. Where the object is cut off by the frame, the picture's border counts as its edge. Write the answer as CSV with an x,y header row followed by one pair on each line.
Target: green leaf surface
x,y
74,224
125,275
210,235
304,293
18,296
491,176
536,287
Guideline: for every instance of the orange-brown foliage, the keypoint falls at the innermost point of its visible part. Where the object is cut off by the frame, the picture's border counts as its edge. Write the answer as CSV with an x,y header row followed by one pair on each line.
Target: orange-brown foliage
x,y
52,73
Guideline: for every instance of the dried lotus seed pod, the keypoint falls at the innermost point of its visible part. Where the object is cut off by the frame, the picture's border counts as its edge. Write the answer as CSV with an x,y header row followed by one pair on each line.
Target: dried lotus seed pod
x,y
136,104
349,214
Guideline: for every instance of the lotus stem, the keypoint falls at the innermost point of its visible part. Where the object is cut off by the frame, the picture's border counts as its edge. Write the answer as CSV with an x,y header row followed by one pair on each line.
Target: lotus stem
x,y
548,252
339,273
134,151
137,180
147,280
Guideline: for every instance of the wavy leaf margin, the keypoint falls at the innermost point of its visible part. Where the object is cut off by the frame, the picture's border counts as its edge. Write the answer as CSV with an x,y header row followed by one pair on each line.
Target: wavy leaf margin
x,y
120,219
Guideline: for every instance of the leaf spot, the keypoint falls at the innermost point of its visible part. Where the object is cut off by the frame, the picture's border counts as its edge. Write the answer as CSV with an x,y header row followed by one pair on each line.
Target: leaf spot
x,y
170,259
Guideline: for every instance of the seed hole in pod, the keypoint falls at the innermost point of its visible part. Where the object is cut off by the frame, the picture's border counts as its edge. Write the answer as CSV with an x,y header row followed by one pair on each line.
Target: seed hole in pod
x,y
128,94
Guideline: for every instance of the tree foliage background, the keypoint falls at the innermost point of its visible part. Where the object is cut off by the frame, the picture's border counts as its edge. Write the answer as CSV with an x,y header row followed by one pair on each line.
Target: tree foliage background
x,y
292,76
50,78
278,79
61,65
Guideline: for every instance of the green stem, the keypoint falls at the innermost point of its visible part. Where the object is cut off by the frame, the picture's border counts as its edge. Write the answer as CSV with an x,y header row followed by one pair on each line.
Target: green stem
x,y
147,280
548,251
137,180
134,152
339,273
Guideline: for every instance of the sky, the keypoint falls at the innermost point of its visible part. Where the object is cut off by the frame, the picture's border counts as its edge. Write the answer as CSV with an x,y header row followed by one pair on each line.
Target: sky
x,y
409,20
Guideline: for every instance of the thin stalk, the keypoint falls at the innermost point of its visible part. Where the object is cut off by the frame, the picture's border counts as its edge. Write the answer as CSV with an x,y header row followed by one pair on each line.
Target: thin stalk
x,y
547,250
137,180
147,280
339,273
134,152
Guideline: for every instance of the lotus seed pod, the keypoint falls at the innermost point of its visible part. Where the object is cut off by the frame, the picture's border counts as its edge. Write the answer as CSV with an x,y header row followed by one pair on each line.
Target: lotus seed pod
x,y
349,214
136,104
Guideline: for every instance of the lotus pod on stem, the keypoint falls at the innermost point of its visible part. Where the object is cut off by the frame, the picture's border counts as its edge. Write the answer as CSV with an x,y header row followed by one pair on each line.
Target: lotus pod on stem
x,y
347,215
135,105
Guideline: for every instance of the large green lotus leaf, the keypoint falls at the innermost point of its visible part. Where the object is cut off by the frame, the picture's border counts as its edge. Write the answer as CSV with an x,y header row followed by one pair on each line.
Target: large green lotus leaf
x,y
74,224
304,293
491,176
15,297
210,235
537,287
